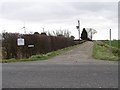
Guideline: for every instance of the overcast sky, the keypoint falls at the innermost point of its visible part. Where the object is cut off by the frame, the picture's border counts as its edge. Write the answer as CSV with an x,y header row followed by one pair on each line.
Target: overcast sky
x,y
52,15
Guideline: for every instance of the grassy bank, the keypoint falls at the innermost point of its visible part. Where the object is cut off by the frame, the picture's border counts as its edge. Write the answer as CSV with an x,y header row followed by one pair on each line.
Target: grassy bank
x,y
41,56
103,51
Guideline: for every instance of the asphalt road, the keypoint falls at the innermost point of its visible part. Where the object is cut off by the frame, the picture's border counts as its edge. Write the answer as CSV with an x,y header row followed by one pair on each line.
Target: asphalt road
x,y
60,76
70,70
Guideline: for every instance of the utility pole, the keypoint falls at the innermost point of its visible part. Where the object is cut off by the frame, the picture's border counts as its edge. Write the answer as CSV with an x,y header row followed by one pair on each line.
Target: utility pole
x,y
24,28
91,33
43,29
79,28
110,38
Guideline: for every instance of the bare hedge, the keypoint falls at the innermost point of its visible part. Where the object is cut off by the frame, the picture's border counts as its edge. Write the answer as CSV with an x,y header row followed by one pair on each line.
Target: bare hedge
x,y
42,44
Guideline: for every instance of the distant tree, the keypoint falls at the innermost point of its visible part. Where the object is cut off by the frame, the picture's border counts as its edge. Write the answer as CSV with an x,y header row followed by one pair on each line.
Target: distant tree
x,y
84,35
36,33
43,33
59,33
49,33
72,37
65,33
31,32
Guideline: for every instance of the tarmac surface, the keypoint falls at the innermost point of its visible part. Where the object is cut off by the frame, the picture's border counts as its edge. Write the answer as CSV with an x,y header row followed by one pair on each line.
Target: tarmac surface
x,y
73,69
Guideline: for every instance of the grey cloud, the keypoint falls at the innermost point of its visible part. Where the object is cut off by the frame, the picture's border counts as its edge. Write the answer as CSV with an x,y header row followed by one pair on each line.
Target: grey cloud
x,y
94,6
55,12
106,9
36,12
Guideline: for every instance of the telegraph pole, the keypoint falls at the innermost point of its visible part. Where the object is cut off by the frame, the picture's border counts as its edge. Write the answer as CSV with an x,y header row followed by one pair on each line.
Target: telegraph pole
x,y
79,28
43,29
24,28
91,32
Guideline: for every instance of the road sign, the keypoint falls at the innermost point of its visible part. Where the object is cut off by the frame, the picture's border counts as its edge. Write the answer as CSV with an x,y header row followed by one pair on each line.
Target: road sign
x,y
31,46
20,42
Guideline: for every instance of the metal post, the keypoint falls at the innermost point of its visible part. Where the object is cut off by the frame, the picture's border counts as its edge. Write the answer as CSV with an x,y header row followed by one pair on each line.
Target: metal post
x,y
110,38
24,28
19,52
91,33
79,29
43,29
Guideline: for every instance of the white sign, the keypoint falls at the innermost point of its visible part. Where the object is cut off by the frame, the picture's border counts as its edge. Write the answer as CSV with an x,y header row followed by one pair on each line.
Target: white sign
x,y
30,45
20,42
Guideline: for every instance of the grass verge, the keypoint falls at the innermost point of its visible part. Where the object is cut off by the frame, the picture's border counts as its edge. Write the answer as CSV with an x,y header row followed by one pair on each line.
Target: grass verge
x,y
103,51
41,56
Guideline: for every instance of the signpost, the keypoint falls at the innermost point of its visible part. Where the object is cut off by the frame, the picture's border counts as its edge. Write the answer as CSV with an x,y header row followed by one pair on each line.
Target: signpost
x,y
31,49
30,46
78,27
20,43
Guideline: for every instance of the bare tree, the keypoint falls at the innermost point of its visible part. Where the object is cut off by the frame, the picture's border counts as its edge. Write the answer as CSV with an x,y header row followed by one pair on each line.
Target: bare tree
x,y
65,33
